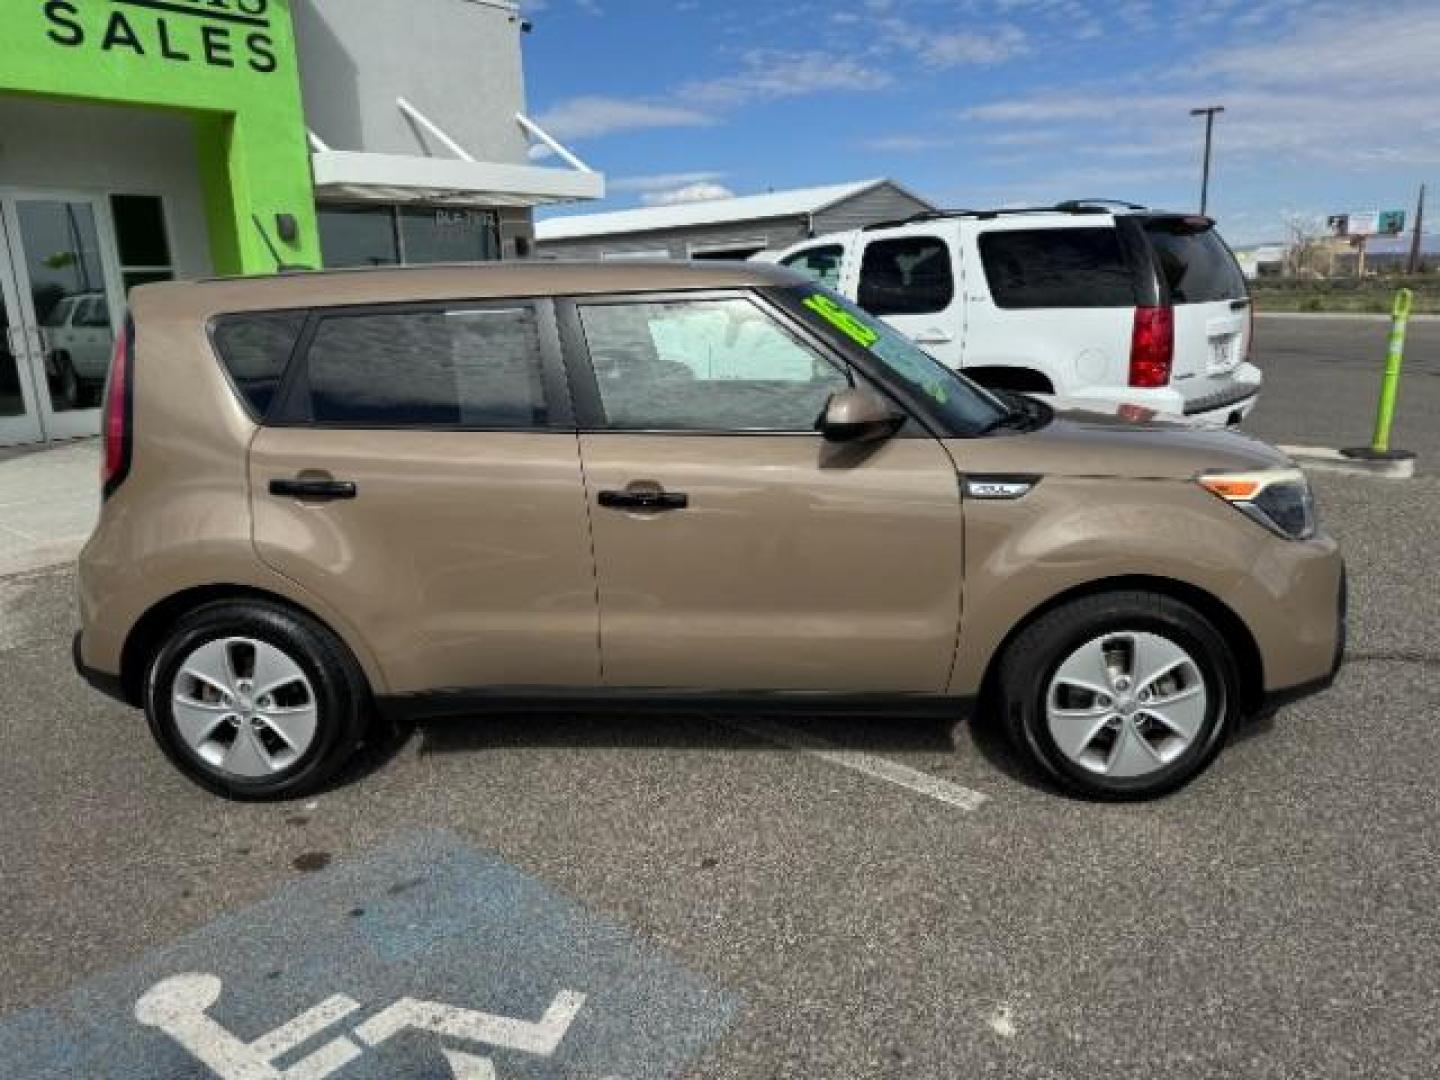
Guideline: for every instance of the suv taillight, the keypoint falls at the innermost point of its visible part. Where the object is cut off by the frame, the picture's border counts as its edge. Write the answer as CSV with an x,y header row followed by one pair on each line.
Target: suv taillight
x,y
118,412
1152,347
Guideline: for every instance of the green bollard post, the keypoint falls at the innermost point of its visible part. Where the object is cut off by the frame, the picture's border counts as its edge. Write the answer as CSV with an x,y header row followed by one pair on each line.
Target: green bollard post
x,y
1390,385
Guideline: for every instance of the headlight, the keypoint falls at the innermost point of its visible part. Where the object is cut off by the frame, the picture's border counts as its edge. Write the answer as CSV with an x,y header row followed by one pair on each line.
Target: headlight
x,y
1279,499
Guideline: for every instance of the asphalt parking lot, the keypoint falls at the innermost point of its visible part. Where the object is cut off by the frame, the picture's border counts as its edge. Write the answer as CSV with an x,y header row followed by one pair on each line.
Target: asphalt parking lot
x,y
1322,378
647,896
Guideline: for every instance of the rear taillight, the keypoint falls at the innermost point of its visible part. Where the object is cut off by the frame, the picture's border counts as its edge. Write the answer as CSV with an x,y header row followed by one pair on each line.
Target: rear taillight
x,y
1152,347
118,414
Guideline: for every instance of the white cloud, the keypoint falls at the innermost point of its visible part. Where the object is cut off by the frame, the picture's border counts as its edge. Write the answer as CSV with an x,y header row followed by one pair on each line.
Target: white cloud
x,y
905,144
690,193
1317,95
771,74
588,117
955,48
764,75
662,181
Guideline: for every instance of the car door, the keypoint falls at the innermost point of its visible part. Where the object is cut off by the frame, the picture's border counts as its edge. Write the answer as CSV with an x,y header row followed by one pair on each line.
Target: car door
x,y
912,281
420,474
736,549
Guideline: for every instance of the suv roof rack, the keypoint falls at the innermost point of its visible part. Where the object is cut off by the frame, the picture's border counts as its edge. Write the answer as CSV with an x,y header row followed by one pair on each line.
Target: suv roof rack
x,y
1070,206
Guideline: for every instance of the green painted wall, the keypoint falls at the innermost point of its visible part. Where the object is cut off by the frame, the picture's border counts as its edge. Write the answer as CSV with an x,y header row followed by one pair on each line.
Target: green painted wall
x,y
229,63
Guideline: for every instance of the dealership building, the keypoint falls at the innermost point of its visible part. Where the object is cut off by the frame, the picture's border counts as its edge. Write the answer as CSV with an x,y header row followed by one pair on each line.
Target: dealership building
x,y
144,140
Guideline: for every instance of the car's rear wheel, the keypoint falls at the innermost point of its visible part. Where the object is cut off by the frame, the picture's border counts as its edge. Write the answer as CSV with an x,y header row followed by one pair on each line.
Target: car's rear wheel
x,y
1124,695
254,701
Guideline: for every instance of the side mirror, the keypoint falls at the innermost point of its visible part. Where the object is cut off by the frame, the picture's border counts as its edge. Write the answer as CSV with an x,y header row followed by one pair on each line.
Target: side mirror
x,y
859,416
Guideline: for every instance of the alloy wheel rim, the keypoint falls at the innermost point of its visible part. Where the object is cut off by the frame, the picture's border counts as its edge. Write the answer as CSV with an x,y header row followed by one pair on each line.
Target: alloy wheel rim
x,y
244,707
1126,704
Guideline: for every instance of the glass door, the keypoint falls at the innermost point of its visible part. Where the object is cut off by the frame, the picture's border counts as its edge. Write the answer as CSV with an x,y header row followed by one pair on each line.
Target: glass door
x,y
66,305
19,418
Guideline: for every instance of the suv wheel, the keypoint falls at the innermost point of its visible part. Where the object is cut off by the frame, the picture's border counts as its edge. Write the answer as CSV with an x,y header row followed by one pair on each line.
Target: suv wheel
x,y
254,701
1126,695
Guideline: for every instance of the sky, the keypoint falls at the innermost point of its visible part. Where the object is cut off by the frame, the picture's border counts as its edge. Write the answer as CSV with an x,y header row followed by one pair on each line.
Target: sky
x,y
1329,107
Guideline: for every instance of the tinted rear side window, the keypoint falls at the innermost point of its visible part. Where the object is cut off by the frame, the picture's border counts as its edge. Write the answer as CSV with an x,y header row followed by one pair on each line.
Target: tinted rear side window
x,y
256,349
911,276
820,264
1057,268
475,368
1194,261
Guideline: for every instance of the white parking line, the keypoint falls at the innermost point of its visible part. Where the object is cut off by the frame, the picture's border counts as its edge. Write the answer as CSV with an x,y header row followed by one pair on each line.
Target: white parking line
x,y
962,798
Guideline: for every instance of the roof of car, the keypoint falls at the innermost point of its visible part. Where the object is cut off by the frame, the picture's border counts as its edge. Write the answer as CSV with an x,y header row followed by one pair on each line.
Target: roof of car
x,y
470,281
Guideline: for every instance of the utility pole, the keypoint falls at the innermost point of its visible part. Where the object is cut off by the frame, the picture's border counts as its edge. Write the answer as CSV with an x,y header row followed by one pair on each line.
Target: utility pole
x,y
1414,266
1209,113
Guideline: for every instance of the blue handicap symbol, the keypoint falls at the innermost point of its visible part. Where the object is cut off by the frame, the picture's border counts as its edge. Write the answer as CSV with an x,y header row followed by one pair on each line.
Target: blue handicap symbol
x,y
422,959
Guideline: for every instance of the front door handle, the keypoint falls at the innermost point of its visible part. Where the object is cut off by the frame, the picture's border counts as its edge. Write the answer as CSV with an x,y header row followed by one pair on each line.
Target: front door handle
x,y
644,499
313,490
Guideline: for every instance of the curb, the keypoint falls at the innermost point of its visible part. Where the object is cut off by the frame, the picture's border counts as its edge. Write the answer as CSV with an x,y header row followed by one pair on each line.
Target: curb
x,y
1322,457
1360,316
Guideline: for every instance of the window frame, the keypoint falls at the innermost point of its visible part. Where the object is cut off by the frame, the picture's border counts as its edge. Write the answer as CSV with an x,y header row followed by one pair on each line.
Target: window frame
x,y
290,407
585,387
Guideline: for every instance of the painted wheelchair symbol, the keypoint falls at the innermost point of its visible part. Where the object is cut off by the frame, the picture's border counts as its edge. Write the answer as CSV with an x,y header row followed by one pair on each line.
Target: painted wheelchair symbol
x,y
179,1006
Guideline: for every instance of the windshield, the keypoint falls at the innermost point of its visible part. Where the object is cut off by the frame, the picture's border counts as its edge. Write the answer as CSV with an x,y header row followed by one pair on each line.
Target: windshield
x,y
961,405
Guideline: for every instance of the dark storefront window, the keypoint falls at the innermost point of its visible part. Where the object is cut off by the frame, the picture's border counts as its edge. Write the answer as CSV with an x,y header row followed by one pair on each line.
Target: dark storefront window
x,y
142,239
412,235
359,236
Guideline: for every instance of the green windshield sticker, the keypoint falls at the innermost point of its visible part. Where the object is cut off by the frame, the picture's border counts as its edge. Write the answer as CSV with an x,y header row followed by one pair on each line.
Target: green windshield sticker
x,y
895,350
841,319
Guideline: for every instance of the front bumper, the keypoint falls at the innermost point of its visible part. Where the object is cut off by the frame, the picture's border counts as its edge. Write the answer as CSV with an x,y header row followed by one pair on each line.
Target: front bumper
x,y
1275,699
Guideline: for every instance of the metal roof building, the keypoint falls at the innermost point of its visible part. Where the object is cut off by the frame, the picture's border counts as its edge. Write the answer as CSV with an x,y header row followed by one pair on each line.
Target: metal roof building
x,y
733,228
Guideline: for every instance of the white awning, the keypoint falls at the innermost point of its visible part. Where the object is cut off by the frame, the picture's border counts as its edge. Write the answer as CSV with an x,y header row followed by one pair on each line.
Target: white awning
x,y
343,174
351,176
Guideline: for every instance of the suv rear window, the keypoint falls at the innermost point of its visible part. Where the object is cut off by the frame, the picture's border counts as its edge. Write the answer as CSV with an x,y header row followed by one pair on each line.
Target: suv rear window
x,y
1194,261
1057,268
255,349
908,276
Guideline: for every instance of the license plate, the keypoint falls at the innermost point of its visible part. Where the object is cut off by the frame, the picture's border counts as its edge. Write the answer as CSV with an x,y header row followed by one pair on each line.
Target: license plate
x,y
1222,352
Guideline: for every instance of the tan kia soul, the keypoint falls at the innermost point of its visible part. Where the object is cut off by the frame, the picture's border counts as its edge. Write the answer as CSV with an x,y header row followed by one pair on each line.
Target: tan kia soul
x,y
336,499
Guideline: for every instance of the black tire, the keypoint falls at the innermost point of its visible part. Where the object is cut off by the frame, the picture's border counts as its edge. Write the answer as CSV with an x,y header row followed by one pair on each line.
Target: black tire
x,y
65,384
1033,658
341,696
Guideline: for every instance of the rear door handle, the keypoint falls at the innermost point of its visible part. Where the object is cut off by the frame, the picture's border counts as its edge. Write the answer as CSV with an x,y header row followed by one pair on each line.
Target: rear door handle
x,y
313,490
644,500
933,337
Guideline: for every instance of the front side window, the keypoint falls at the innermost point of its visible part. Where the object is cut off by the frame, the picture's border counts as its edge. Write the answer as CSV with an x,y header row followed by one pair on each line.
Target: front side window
x,y
819,264
909,276
466,368
1057,268
704,365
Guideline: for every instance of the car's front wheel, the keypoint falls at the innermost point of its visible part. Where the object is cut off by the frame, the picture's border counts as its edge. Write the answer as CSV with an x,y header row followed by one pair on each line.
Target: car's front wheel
x,y
255,701
1124,695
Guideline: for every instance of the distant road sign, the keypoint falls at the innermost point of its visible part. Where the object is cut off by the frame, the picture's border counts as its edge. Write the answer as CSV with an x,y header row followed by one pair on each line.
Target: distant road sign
x,y
1364,222
1392,222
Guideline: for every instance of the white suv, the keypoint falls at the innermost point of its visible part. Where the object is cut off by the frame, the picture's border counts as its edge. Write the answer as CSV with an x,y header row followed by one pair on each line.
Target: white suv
x,y
1108,307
